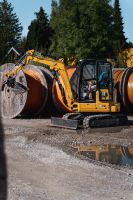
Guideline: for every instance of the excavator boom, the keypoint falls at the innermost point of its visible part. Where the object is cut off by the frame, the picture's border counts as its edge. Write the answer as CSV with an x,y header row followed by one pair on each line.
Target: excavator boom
x,y
57,66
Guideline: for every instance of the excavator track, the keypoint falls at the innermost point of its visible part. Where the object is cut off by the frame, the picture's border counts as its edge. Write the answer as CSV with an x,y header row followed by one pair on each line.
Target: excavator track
x,y
78,120
104,120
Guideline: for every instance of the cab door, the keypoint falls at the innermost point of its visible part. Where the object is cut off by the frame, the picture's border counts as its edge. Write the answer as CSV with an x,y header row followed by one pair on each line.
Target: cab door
x,y
87,82
104,80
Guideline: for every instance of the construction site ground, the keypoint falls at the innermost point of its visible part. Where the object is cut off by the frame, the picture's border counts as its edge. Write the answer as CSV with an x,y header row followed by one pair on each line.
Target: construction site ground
x,y
43,164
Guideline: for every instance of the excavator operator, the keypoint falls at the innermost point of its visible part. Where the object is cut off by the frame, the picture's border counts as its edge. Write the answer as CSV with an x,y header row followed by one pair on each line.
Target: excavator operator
x,y
91,89
103,79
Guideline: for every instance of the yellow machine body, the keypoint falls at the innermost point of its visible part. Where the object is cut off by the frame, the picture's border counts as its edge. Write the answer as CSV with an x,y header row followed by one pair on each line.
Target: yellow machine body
x,y
106,105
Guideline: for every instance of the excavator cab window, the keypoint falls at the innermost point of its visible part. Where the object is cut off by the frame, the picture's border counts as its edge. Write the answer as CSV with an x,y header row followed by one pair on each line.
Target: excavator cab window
x,y
104,80
89,77
87,86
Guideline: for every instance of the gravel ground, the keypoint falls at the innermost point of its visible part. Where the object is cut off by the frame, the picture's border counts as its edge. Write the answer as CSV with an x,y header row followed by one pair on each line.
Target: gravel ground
x,y
43,164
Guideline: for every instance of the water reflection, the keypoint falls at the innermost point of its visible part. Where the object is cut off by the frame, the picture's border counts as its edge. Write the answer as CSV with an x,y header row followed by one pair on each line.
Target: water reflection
x,y
113,154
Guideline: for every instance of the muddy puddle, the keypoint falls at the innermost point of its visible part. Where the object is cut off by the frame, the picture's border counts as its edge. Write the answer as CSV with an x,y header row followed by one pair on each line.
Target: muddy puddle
x,y
107,153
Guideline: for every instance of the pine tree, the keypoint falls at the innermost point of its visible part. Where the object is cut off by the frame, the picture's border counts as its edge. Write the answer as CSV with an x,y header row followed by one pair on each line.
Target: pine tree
x,y
84,28
40,32
101,26
54,23
10,29
66,27
22,45
68,31
54,13
119,37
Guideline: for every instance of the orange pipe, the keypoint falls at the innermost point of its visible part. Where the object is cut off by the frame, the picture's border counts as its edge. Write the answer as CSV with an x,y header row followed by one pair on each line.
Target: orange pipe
x,y
57,96
36,93
118,74
37,96
70,71
123,79
130,89
40,100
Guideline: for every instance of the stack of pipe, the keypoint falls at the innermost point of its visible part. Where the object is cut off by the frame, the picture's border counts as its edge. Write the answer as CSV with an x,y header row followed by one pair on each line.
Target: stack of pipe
x,y
32,102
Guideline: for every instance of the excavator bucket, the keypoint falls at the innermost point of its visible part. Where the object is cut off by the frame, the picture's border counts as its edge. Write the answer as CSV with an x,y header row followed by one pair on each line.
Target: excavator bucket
x,y
17,87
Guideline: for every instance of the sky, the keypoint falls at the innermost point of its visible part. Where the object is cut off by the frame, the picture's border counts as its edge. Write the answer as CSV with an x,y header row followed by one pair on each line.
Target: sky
x,y
25,10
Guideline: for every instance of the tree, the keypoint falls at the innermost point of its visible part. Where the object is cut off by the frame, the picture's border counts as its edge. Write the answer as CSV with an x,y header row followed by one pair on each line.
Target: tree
x,y
22,45
129,45
40,33
83,28
54,14
65,22
10,29
119,37
54,23
101,23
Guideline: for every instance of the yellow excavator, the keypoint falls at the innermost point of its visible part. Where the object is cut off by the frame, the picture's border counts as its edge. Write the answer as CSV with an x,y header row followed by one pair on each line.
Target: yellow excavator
x,y
90,94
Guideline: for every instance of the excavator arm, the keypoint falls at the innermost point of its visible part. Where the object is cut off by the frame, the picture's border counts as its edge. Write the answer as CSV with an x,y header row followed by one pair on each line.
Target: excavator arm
x,y
57,66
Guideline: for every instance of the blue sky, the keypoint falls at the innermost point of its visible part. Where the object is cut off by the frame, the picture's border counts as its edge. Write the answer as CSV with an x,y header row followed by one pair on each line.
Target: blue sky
x,y
25,10
127,14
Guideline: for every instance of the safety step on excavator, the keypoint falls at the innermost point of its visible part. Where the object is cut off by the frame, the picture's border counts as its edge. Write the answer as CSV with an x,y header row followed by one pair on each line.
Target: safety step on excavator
x,y
90,95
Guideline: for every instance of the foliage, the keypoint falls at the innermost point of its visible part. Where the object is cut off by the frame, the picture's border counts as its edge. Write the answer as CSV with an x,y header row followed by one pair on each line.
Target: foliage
x,y
82,28
119,39
40,32
101,27
76,29
54,19
10,29
22,45
129,45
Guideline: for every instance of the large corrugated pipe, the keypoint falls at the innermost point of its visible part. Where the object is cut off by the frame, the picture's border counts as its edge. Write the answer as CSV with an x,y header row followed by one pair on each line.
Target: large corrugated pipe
x,y
124,83
31,102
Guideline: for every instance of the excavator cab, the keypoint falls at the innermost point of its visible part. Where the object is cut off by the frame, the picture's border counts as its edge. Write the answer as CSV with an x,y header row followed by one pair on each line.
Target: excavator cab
x,y
92,79
95,76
